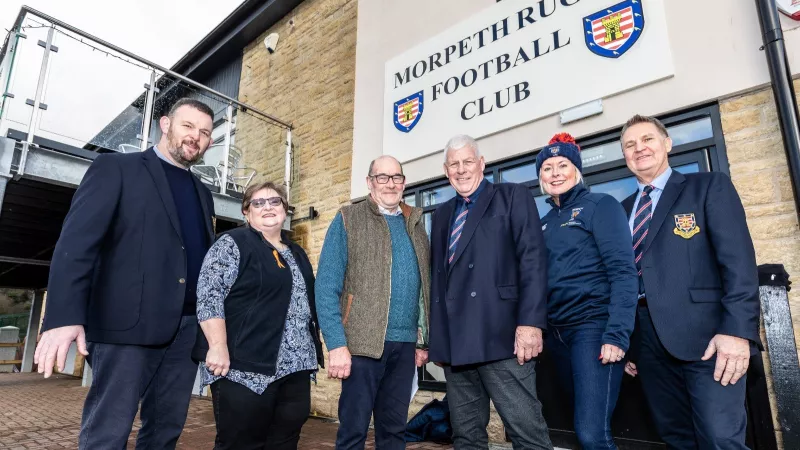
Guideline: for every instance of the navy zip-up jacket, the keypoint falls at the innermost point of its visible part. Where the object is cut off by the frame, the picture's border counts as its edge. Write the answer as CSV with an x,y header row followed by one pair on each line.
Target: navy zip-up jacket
x,y
591,277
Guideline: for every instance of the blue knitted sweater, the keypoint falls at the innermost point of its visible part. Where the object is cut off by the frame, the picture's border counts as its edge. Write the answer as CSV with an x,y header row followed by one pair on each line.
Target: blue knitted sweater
x,y
404,301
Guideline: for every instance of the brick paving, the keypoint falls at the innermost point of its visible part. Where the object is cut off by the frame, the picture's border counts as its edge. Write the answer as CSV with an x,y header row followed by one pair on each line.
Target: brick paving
x,y
45,414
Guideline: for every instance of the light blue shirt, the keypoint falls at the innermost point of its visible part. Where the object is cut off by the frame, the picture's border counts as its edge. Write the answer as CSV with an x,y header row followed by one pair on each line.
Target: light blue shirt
x,y
658,187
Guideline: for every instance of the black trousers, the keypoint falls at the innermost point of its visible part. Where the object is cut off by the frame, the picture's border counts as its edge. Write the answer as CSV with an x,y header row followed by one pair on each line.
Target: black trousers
x,y
161,377
691,411
272,420
379,388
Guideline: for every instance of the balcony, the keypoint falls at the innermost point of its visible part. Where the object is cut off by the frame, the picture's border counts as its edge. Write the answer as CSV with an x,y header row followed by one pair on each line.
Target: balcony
x,y
67,97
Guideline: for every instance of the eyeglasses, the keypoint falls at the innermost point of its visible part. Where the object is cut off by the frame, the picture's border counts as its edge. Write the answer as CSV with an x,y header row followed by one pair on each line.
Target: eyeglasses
x,y
382,178
261,202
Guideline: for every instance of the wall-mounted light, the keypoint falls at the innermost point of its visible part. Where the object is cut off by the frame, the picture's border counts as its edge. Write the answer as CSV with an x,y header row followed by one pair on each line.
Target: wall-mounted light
x,y
271,42
582,111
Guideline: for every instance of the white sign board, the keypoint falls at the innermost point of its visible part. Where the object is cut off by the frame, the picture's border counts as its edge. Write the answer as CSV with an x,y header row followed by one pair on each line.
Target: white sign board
x,y
515,62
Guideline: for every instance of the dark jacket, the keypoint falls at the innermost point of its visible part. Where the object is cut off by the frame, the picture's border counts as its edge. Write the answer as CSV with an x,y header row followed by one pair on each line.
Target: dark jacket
x,y
119,267
258,302
496,282
699,265
591,277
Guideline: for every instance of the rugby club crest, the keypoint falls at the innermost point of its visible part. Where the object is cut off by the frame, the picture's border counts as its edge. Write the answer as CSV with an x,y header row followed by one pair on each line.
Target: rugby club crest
x,y
612,31
408,111
686,225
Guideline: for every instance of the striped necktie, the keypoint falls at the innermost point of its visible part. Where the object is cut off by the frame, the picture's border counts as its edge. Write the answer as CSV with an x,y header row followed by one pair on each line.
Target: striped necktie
x,y
641,222
455,235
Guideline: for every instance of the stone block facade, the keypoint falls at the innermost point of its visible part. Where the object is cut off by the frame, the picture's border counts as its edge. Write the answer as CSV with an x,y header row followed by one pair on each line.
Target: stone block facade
x,y
309,81
760,172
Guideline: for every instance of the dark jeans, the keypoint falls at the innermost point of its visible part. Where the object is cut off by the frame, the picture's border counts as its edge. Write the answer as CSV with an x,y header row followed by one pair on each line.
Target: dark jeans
x,y
246,420
512,389
689,408
161,377
591,386
381,387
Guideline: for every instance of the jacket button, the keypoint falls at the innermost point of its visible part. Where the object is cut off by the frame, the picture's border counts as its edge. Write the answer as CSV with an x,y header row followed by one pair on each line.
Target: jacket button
x,y
471,266
473,294
437,300
181,280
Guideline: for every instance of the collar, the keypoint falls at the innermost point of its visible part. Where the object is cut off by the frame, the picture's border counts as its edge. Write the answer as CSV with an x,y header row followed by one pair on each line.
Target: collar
x,y
380,210
474,196
164,158
660,182
397,211
568,197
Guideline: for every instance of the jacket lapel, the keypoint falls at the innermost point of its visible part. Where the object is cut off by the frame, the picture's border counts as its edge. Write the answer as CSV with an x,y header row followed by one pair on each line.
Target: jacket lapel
x,y
199,187
473,218
671,192
628,204
446,210
153,164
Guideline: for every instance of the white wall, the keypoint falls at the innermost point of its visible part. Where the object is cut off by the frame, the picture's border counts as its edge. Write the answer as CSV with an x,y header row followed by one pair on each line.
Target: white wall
x,y
715,49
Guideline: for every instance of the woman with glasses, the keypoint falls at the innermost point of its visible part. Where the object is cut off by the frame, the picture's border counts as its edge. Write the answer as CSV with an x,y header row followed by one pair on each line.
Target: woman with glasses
x,y
592,290
259,343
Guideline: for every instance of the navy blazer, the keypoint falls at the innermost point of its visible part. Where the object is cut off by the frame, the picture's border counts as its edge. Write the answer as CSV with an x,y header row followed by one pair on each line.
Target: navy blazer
x,y
119,267
699,265
497,279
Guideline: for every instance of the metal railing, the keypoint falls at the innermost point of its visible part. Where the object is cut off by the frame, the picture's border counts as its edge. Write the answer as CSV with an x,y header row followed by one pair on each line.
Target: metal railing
x,y
59,83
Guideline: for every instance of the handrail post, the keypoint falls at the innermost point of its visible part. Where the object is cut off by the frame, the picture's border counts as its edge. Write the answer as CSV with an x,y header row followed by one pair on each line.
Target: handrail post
x,y
37,101
226,149
147,119
287,175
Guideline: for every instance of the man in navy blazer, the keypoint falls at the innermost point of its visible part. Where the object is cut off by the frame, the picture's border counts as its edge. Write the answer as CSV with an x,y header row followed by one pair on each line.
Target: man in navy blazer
x,y
488,302
123,278
698,295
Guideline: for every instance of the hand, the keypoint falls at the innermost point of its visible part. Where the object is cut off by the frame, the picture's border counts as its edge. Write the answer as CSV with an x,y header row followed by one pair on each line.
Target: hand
x,y
733,357
630,369
340,363
421,357
611,354
527,343
54,345
217,359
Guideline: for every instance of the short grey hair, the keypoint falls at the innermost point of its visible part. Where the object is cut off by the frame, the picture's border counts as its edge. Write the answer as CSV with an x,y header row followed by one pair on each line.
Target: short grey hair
x,y
578,177
461,141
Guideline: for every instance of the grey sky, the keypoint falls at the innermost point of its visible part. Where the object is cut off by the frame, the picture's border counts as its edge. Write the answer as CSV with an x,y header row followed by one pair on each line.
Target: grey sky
x,y
85,89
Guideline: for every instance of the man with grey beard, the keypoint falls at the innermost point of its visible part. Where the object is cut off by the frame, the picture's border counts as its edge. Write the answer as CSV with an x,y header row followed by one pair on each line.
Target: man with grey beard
x,y
123,281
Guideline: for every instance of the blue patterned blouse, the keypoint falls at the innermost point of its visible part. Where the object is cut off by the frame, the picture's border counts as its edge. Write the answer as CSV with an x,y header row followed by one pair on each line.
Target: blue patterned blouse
x,y
297,352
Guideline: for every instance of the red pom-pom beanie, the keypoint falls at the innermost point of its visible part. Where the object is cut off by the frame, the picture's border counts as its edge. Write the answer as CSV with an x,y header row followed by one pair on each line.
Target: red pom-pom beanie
x,y
562,144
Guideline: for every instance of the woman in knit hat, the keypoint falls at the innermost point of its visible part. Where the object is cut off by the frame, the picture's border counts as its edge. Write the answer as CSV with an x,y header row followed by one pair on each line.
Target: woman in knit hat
x,y
592,289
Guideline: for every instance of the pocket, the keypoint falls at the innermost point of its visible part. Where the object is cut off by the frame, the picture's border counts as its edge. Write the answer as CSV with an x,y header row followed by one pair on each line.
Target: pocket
x,y
508,292
347,309
706,295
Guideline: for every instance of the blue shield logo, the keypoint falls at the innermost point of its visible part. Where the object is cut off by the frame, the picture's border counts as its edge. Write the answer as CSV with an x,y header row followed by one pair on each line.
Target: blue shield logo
x,y
408,111
612,31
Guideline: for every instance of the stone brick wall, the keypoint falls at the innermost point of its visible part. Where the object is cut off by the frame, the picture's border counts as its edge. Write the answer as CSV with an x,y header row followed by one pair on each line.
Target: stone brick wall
x,y
308,81
759,171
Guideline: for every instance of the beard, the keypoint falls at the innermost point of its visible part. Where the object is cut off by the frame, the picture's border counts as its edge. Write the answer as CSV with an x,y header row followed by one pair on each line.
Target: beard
x,y
176,149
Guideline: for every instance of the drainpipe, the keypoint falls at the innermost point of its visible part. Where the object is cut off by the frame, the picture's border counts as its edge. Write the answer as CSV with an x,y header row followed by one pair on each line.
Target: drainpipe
x,y
784,364
782,88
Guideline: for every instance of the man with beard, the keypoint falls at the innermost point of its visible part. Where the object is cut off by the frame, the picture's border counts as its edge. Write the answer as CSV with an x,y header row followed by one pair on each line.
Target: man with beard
x,y
123,279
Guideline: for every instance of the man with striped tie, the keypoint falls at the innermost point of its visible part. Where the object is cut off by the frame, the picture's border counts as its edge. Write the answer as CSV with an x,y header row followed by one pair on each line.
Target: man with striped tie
x,y
698,295
488,302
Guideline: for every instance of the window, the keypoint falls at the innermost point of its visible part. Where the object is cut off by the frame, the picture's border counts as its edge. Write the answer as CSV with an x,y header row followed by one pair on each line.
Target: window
x,y
698,146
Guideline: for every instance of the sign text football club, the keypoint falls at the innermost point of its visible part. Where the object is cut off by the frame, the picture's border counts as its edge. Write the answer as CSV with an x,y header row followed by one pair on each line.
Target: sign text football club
x,y
516,62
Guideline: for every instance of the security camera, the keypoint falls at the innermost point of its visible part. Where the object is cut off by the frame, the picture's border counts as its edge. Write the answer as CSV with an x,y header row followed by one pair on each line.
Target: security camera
x,y
271,42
